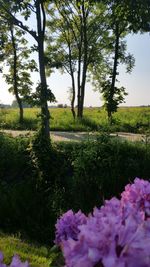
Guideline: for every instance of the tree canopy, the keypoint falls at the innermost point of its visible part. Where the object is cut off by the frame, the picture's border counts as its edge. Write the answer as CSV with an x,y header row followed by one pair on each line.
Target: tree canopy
x,y
83,38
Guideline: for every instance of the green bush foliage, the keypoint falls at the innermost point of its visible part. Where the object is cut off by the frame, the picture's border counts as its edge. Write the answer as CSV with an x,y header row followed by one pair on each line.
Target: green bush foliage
x,y
101,169
37,185
13,157
30,187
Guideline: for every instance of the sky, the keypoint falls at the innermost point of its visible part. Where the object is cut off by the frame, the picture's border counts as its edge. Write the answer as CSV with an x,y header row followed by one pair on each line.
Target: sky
x,y
137,83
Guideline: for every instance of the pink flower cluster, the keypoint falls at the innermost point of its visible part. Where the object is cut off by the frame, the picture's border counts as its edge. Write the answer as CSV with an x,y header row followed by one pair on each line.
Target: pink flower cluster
x,y
67,226
115,235
16,262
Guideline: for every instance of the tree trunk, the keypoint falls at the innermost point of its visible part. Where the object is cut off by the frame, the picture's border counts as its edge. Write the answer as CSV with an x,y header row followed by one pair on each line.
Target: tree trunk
x,y
45,116
83,79
82,99
73,97
73,82
79,88
43,93
114,74
84,69
80,44
15,77
20,110
83,88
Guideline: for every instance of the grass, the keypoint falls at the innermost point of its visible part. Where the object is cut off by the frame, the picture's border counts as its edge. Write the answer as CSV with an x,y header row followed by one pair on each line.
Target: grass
x,y
127,119
36,255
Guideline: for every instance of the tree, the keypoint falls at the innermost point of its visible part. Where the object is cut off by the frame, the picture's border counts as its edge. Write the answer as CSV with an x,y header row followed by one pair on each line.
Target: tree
x,y
118,27
26,9
16,54
61,54
138,14
77,38
112,94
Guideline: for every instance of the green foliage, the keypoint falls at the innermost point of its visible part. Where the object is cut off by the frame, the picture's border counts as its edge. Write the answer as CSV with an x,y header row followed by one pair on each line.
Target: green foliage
x,y
57,257
17,58
101,169
40,153
79,37
13,158
37,186
112,101
34,99
25,10
138,14
82,32
31,190
105,81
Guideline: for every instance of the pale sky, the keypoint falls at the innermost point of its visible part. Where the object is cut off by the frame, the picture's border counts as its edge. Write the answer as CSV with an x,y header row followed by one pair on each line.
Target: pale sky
x,y
137,83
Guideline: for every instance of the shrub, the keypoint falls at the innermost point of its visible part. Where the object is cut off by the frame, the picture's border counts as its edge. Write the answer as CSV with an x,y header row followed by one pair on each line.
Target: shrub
x,y
34,191
101,169
31,188
13,157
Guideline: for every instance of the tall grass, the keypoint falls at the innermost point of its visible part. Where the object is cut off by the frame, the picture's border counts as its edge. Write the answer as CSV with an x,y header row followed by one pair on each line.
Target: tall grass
x,y
9,119
129,119
36,255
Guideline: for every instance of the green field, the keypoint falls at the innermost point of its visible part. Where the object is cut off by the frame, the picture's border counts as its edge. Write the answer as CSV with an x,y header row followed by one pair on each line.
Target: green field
x,y
36,256
127,119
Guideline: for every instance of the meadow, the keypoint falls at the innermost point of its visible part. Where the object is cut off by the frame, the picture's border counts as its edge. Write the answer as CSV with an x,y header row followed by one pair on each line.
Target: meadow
x,y
127,119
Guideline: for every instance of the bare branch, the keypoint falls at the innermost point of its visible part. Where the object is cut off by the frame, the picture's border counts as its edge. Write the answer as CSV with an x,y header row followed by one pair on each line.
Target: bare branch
x,y
17,22
31,8
44,17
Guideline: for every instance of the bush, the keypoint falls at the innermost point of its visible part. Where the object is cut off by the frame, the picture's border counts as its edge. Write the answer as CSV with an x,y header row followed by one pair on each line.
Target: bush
x,y
13,157
31,189
101,169
37,185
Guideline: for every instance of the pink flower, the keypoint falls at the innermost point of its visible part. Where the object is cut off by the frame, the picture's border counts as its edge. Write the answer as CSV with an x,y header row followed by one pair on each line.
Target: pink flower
x,y
137,196
1,260
116,235
68,226
16,262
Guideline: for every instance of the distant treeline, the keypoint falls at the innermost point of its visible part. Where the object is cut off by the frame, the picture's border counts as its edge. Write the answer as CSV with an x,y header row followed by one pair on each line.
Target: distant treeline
x,y
14,104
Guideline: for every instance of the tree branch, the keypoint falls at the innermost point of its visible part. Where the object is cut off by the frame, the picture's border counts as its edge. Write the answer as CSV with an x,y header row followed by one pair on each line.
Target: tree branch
x,y
31,8
16,22
44,18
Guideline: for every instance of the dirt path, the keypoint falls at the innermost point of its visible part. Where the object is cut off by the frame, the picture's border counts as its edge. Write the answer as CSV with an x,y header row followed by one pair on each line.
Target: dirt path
x,y
77,136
